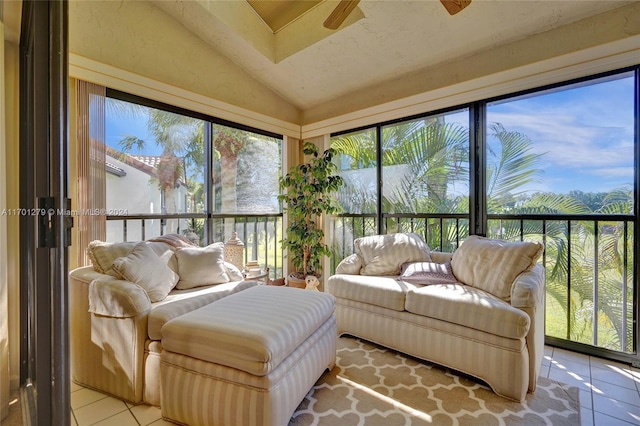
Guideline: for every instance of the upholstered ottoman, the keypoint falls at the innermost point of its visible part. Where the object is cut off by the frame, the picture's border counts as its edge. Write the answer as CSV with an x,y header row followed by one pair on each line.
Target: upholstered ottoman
x,y
247,359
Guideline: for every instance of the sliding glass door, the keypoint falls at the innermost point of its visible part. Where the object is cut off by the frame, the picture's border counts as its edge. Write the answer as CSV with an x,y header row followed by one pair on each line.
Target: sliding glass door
x,y
44,231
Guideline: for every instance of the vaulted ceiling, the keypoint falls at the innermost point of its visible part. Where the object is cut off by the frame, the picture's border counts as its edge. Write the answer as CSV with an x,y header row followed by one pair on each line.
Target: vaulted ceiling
x,y
381,41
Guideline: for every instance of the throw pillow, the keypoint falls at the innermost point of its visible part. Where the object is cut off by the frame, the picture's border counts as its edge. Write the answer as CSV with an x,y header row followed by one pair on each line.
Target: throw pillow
x,y
232,270
427,273
350,265
143,267
385,254
102,255
493,265
200,266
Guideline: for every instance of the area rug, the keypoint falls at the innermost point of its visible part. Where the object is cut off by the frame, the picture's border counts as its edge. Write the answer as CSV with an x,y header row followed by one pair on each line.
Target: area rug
x,y
372,385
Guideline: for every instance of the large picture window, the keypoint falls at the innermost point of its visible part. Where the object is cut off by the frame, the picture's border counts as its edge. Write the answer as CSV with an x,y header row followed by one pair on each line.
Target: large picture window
x,y
174,171
155,165
565,159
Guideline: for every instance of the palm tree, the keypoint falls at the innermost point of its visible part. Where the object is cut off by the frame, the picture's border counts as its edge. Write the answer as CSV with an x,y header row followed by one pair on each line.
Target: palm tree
x,y
509,169
570,258
179,137
436,155
422,157
228,142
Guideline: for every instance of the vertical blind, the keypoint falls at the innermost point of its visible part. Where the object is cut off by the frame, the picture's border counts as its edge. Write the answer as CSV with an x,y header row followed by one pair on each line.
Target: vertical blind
x,y
91,205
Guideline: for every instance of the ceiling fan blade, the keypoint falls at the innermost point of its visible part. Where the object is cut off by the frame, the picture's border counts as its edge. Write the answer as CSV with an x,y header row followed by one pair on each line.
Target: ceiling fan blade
x,y
340,13
455,6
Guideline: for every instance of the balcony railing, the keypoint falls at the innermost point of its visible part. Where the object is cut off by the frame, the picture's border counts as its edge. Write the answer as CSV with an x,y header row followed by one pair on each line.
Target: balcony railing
x,y
261,234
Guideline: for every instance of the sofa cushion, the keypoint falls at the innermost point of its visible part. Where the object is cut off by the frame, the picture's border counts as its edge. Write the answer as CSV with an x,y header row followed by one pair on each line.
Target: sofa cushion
x,y
350,265
387,292
200,266
493,265
427,273
385,254
469,307
179,302
143,267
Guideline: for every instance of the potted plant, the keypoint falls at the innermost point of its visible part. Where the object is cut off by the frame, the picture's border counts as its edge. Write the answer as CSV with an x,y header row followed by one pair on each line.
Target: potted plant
x,y
306,194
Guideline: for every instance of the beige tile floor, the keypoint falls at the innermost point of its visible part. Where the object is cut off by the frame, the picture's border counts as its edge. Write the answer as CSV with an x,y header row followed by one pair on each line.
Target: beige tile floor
x,y
609,394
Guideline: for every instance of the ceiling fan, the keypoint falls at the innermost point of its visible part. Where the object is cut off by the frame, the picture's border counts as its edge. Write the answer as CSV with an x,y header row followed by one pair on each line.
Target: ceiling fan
x,y
345,7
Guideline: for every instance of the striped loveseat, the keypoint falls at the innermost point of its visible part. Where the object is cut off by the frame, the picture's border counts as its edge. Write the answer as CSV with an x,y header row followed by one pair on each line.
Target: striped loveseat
x,y
119,305
479,310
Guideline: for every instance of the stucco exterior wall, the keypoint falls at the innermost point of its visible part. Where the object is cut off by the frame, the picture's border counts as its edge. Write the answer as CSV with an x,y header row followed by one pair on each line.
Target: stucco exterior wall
x,y
138,193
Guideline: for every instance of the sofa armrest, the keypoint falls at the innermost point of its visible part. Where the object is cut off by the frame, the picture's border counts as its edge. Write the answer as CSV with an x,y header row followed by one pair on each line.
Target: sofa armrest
x,y
528,290
109,296
350,265
117,298
86,274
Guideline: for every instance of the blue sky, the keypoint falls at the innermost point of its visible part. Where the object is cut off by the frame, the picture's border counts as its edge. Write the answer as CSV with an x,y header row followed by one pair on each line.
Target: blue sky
x,y
121,124
585,133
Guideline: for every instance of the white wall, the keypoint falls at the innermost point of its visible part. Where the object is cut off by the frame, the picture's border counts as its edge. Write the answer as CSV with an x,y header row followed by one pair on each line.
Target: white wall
x,y
9,196
4,292
9,188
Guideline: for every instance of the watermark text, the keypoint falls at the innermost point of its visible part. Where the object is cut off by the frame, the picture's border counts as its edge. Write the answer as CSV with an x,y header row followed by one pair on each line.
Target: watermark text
x,y
63,212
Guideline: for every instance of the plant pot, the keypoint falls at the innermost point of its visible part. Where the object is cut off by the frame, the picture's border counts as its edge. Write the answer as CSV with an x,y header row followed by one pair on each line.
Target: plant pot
x,y
294,280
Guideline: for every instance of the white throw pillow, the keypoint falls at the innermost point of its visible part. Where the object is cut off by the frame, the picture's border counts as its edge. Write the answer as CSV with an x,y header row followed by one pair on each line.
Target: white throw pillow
x,y
385,254
143,267
200,266
350,265
232,270
493,265
103,254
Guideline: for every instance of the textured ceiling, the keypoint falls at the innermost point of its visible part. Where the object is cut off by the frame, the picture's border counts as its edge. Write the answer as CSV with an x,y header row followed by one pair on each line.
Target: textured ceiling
x,y
277,14
381,41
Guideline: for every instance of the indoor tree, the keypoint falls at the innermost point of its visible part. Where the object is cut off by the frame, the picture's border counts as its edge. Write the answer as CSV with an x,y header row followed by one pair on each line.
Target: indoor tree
x,y
306,194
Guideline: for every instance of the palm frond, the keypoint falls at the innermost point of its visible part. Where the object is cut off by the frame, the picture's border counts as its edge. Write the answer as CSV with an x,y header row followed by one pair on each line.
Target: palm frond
x,y
513,166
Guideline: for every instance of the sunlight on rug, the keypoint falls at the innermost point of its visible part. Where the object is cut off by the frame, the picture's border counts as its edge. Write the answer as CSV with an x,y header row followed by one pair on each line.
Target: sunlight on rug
x,y
373,385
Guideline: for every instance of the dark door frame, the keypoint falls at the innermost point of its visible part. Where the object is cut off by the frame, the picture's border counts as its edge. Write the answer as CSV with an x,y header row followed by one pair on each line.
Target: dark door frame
x,y
43,190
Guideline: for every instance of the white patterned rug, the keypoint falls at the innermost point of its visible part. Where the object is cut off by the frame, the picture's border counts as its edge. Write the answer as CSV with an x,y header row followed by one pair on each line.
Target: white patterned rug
x,y
373,385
